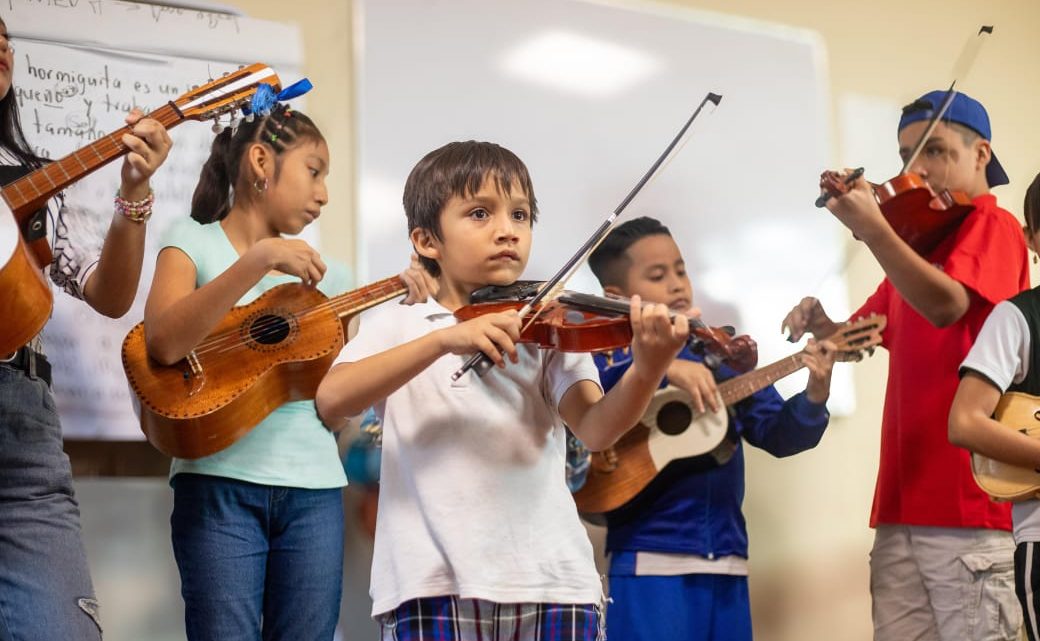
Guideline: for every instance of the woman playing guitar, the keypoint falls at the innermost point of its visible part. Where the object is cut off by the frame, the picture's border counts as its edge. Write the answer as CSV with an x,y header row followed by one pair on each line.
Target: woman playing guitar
x,y
43,565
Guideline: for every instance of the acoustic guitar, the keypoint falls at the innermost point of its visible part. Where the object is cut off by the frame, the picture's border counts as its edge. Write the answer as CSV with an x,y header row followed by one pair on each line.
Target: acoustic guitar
x,y
261,355
25,252
1021,412
672,432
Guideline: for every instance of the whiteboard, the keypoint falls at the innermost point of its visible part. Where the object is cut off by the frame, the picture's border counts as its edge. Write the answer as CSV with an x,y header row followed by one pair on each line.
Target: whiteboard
x,y
79,66
588,94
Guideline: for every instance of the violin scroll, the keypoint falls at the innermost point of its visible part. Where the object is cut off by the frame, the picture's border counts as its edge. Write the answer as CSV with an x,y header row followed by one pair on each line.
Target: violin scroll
x,y
835,185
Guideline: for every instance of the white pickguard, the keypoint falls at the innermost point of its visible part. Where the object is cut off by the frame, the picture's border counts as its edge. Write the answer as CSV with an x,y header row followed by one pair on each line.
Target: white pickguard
x,y
703,435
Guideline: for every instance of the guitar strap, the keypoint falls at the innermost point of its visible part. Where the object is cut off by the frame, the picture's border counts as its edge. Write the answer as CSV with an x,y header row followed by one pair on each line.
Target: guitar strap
x,y
34,227
1028,302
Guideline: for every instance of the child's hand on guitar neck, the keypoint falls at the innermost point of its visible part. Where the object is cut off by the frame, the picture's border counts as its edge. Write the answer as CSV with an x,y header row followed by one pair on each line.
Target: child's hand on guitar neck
x,y
818,358
289,256
421,285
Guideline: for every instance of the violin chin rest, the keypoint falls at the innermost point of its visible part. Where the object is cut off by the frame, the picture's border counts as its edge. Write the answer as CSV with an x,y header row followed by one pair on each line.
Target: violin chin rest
x,y
519,291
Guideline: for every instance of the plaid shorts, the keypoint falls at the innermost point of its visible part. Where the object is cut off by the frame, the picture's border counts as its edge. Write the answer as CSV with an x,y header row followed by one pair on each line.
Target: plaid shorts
x,y
449,618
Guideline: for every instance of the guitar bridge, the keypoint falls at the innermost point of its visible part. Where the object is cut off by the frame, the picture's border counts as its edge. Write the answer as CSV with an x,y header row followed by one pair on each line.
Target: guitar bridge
x,y
195,374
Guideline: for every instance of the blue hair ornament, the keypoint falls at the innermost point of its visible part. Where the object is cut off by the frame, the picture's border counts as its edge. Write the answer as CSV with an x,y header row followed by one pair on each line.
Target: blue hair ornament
x,y
265,97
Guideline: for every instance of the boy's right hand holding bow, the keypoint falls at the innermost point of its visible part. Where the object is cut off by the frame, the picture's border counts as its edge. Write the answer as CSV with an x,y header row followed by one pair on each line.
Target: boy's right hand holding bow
x,y
493,334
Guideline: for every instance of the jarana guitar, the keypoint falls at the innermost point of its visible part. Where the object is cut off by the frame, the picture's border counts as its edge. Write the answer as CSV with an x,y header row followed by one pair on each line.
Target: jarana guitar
x,y
1016,411
261,355
25,252
671,431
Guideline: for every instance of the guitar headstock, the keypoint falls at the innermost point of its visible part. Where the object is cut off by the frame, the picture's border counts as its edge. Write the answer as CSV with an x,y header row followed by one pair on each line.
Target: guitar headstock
x,y
858,336
227,93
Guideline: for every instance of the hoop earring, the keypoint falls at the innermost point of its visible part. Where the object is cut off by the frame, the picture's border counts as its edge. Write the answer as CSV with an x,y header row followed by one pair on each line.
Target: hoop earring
x,y
260,187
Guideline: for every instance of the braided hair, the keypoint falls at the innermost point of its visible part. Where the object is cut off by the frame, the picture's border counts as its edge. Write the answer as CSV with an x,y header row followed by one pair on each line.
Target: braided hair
x,y
220,177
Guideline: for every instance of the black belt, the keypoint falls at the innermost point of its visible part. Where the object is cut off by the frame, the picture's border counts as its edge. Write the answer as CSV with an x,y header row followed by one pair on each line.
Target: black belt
x,y
32,363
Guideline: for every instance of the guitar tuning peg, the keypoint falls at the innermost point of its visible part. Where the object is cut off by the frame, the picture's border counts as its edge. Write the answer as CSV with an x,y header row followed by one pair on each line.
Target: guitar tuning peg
x,y
217,127
250,117
225,74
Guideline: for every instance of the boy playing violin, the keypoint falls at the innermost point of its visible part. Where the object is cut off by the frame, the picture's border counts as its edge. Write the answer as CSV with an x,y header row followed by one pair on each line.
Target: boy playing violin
x,y
477,536
678,554
941,561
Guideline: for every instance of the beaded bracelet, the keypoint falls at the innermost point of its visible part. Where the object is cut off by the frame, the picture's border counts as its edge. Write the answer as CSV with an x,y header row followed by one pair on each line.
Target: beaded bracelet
x,y
138,211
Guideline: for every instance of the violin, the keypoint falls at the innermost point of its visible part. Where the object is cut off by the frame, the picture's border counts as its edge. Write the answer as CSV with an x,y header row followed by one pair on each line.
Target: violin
x,y
575,322
918,215
480,361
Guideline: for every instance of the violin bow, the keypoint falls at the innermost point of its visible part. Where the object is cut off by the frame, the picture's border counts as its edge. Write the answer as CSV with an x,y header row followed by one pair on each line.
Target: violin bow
x,y
960,69
480,361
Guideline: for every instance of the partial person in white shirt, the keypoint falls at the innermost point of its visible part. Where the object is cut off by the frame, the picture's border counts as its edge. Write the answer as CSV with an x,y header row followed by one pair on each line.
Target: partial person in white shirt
x,y
1006,358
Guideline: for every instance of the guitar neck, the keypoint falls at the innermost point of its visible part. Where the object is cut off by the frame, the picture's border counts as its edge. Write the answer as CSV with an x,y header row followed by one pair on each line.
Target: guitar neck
x,y
359,300
28,194
737,389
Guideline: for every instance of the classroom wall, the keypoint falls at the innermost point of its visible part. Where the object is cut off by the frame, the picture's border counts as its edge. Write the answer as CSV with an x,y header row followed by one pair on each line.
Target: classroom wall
x,y
808,515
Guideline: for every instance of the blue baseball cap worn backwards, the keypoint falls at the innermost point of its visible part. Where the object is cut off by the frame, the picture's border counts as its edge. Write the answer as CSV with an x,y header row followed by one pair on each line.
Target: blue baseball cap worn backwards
x,y
964,110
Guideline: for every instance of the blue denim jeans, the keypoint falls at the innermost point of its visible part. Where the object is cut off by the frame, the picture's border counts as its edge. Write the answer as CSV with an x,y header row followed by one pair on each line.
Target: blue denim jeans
x,y
257,561
45,588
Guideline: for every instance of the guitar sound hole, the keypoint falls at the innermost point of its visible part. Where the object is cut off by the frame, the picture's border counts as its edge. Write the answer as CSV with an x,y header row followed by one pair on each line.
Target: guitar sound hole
x,y
269,329
673,418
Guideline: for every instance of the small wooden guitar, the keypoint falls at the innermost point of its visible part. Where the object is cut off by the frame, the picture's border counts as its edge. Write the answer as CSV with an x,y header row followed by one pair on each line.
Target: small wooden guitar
x,y
25,252
1003,481
261,355
672,431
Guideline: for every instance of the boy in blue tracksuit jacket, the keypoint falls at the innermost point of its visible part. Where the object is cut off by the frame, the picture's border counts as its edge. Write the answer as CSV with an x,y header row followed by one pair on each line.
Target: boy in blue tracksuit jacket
x,y
678,564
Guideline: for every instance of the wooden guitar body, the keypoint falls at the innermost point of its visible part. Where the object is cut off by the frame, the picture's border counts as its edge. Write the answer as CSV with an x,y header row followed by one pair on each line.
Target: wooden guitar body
x,y
670,430
262,355
25,295
1021,412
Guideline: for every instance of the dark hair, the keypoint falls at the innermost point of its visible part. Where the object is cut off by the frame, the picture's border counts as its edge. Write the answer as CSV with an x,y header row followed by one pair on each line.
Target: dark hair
x,y
1031,208
220,177
459,169
610,262
12,138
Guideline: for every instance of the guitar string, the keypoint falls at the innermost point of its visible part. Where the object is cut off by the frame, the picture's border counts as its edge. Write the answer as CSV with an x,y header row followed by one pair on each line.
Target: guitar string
x,y
231,339
270,327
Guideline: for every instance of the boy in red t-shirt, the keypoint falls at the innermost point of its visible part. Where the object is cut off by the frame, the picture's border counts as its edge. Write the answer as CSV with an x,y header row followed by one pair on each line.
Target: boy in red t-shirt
x,y
942,556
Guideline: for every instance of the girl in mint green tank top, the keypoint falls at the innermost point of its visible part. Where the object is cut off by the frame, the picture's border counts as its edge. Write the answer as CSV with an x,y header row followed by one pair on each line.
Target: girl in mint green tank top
x,y
257,528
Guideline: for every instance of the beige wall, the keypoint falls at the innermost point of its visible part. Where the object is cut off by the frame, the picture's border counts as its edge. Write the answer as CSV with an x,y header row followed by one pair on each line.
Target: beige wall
x,y
807,516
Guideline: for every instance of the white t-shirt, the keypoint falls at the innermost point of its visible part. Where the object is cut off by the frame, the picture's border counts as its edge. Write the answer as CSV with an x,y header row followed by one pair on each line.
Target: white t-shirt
x,y
473,500
1001,353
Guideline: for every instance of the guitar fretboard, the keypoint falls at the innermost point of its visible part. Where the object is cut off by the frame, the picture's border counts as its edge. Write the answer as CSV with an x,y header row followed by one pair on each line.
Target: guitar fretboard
x,y
359,300
27,194
737,389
